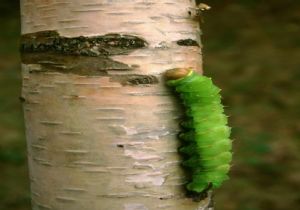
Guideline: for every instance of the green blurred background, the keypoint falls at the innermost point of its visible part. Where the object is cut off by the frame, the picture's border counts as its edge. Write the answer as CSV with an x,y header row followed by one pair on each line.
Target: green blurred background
x,y
252,50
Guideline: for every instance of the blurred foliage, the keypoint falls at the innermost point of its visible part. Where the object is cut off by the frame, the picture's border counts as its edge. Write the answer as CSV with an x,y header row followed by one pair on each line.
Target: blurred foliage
x,y
14,182
251,49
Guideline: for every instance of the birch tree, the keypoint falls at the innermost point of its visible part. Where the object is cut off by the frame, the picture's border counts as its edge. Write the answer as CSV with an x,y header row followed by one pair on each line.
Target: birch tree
x,y
101,125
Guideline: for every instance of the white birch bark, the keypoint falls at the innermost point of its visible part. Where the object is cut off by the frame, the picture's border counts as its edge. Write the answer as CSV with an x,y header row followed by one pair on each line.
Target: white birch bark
x,y
93,142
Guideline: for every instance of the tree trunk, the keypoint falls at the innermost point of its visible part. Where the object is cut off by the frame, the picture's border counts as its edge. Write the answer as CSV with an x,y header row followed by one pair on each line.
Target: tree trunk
x,y
101,126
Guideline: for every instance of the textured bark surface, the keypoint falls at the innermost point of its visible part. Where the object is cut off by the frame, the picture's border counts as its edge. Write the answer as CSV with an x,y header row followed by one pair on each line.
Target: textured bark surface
x,y
101,126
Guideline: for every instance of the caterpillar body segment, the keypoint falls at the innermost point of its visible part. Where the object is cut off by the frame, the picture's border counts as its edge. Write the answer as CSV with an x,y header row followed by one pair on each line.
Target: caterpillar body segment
x,y
206,145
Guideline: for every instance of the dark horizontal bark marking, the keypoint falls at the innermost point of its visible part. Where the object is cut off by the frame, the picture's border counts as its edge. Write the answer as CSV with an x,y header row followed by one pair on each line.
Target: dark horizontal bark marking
x,y
80,65
120,145
135,79
187,42
105,45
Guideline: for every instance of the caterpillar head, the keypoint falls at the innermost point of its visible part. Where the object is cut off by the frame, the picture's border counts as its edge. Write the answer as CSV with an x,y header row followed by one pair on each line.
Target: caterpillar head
x,y
177,73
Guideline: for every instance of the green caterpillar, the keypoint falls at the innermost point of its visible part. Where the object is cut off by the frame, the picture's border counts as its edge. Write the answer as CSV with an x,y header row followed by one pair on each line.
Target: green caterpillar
x,y
206,145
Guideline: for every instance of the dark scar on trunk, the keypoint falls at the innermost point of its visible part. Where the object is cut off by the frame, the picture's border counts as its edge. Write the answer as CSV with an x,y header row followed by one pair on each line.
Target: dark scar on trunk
x,y
187,42
104,45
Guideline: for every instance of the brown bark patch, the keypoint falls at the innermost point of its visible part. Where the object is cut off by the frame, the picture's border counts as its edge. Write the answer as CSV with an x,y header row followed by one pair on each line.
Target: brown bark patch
x,y
86,66
81,65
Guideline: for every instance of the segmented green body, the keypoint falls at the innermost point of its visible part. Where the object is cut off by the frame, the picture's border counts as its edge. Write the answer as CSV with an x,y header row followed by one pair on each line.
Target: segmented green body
x,y
205,137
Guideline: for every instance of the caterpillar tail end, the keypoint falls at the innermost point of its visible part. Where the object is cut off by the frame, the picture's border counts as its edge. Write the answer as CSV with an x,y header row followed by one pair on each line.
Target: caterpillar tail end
x,y
201,193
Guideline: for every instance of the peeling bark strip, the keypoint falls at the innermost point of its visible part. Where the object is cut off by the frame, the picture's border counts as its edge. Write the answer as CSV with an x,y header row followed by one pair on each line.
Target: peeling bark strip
x,y
187,42
109,44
